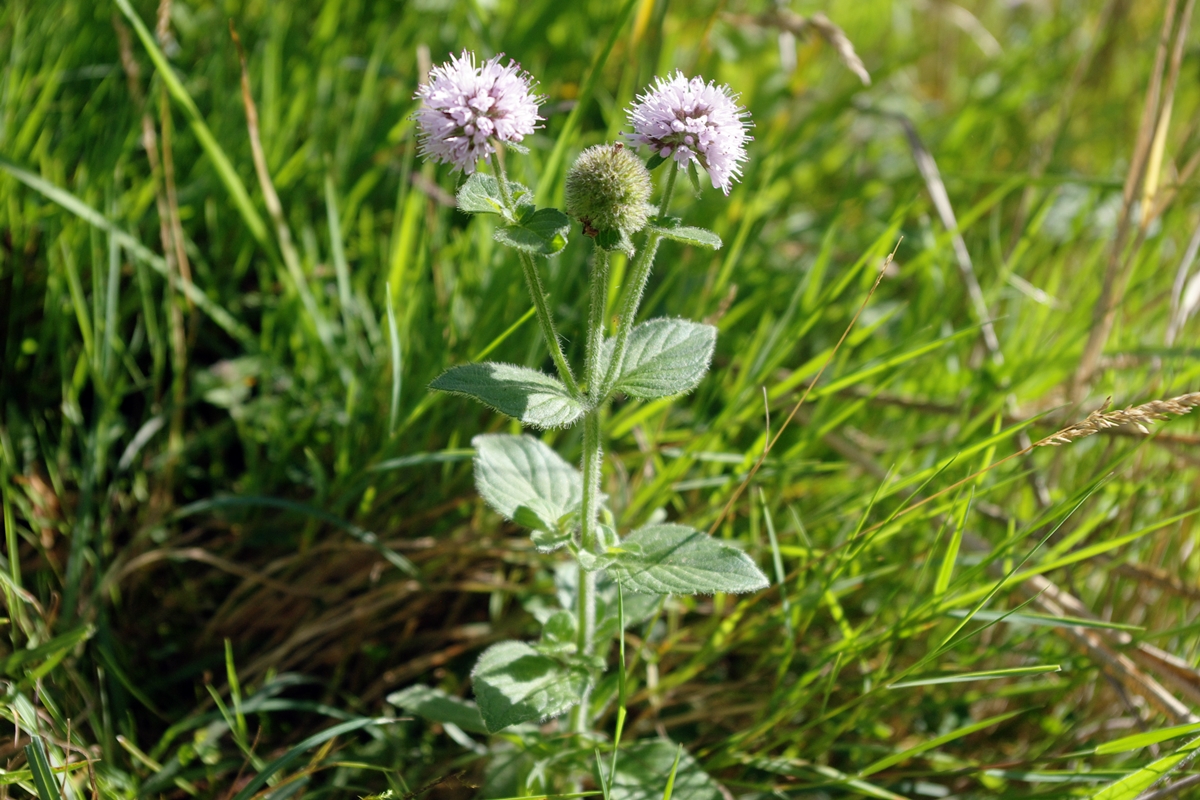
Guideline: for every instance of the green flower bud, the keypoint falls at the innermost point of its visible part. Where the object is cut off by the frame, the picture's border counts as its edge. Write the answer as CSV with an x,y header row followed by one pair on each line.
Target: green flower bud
x,y
607,191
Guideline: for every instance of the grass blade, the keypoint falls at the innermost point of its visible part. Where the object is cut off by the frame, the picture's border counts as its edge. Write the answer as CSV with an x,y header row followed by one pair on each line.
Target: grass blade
x,y
43,775
1134,784
291,755
397,364
1140,740
224,167
135,248
985,675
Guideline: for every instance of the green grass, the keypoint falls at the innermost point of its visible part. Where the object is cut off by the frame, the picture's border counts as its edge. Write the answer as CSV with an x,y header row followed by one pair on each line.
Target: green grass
x,y
236,519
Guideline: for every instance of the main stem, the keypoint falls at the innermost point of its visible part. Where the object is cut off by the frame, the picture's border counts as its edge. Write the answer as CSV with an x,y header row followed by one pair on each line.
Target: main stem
x,y
533,280
593,458
639,273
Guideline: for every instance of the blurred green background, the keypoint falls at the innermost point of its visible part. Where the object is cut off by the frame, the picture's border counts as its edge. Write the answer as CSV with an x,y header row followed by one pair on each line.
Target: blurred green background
x,y
234,515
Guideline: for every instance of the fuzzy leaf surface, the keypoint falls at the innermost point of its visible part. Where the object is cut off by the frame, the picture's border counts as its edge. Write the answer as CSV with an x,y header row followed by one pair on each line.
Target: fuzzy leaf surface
x,y
519,474
480,194
665,357
643,768
533,397
676,559
515,683
543,232
437,706
689,235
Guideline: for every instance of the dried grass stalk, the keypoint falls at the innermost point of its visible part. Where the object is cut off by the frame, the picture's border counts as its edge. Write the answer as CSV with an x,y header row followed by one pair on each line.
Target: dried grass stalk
x,y
841,43
791,22
1137,416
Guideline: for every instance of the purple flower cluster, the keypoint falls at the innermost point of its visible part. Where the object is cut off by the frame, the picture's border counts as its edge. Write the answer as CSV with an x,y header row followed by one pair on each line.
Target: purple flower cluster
x,y
690,120
465,108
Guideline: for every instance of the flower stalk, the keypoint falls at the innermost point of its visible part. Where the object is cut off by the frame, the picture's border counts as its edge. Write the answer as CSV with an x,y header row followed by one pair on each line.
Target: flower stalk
x,y
639,274
592,461
537,292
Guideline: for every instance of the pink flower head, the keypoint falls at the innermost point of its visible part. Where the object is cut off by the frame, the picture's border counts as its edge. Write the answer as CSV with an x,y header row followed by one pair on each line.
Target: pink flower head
x,y
465,107
691,120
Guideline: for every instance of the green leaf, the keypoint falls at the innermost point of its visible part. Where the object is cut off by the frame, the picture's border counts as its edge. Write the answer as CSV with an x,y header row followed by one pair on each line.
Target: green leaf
x,y
693,176
545,541
1138,781
1140,740
515,474
614,240
543,233
481,195
288,758
17,664
43,775
655,161
665,357
986,675
644,769
533,397
1047,620
437,706
688,235
515,683
559,634
675,559
204,135
916,750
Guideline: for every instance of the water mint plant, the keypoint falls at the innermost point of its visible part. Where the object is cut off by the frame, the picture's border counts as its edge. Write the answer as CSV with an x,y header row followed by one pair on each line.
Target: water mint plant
x,y
614,577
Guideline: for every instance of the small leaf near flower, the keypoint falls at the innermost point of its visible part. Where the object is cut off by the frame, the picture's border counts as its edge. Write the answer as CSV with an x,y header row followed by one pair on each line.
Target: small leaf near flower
x,y
690,235
543,232
480,194
614,240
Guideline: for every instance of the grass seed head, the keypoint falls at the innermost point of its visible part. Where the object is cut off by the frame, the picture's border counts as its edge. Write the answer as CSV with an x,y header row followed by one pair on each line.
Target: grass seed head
x,y
1137,416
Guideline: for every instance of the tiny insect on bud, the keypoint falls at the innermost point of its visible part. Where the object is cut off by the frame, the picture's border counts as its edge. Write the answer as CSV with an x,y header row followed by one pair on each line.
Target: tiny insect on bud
x,y
608,191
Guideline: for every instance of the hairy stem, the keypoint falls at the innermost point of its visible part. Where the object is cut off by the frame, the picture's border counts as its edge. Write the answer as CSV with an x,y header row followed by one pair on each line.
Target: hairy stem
x,y
593,457
639,273
537,292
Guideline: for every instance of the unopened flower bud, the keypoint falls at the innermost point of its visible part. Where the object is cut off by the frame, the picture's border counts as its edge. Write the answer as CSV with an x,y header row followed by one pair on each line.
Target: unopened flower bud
x,y
608,190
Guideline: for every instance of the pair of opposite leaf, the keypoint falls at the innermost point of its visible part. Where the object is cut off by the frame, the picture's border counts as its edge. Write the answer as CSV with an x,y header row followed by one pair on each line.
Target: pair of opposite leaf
x,y
526,481
664,357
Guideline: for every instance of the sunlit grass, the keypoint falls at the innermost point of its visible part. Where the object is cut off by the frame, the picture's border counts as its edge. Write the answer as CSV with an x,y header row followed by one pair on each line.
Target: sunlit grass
x,y
208,438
